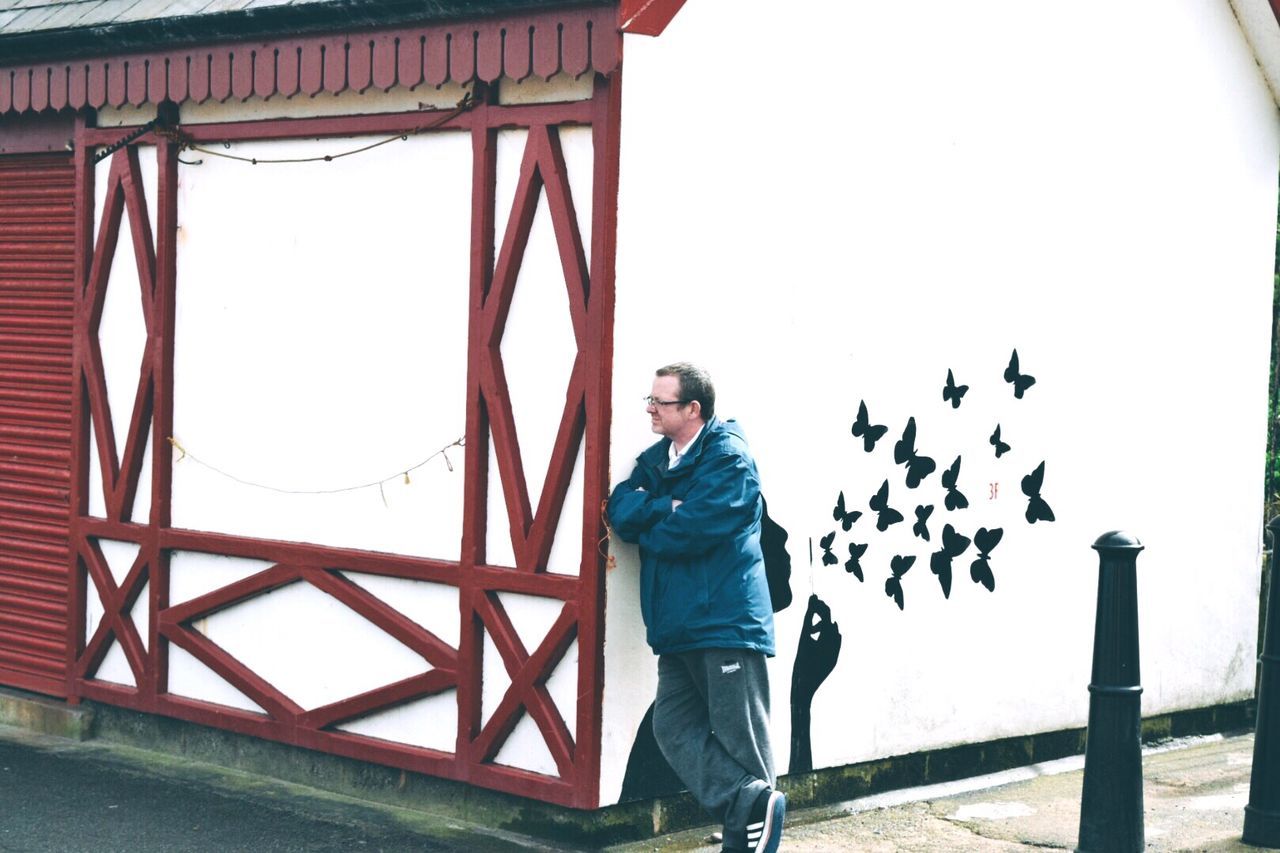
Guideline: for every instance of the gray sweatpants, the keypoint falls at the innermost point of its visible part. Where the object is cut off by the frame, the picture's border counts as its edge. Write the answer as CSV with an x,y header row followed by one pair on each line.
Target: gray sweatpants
x,y
711,721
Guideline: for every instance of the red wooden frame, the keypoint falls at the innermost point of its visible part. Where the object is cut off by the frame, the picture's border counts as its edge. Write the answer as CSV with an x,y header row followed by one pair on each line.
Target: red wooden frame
x,y
585,418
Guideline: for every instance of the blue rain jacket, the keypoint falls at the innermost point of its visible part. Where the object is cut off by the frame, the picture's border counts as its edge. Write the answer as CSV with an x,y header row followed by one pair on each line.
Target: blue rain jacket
x,y
702,578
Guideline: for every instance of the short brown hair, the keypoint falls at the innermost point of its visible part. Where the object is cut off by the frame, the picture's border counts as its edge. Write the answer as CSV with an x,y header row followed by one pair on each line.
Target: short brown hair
x,y
695,384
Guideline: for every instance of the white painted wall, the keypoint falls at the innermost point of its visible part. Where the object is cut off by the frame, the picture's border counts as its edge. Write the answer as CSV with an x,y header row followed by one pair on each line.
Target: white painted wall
x,y
320,344
839,202
1258,21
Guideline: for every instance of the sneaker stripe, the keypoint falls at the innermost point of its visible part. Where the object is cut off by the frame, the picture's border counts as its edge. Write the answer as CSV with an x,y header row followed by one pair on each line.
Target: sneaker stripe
x,y
764,834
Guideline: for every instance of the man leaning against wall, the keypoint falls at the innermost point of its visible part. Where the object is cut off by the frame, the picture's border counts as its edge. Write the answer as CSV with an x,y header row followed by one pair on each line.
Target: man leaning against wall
x,y
693,506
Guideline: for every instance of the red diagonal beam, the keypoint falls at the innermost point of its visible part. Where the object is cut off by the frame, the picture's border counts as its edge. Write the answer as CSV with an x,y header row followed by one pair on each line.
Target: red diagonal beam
x,y
104,251
96,649
122,492
223,597
131,643
559,472
233,671
503,720
528,674
532,684
140,228
415,637
523,207
380,699
504,633
119,603
573,259
94,388
506,447
116,602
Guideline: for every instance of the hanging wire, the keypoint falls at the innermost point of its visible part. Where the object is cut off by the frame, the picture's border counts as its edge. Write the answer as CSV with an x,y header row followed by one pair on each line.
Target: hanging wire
x,y
603,544
403,472
466,103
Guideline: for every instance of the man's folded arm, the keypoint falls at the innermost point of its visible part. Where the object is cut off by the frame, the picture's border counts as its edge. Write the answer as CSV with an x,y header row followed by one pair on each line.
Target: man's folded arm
x,y
721,504
632,510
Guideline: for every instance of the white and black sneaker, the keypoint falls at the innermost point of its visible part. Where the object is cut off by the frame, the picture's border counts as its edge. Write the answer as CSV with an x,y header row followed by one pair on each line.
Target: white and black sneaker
x,y
764,826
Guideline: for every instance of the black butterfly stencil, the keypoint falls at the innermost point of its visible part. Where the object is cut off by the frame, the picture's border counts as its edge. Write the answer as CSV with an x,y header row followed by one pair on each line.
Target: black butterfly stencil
x,y
863,428
880,504
980,570
953,545
846,519
828,558
1020,381
904,453
1037,509
952,391
855,554
1000,446
920,528
893,586
955,499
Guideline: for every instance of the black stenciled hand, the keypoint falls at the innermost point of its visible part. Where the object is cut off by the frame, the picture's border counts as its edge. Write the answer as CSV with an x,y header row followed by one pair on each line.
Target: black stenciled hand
x,y
816,657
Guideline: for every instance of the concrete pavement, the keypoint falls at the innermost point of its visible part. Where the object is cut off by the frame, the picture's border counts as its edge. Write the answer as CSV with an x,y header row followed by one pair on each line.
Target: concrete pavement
x,y
1195,791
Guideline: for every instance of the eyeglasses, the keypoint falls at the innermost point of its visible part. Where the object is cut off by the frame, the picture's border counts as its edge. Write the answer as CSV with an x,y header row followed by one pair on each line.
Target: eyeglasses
x,y
654,401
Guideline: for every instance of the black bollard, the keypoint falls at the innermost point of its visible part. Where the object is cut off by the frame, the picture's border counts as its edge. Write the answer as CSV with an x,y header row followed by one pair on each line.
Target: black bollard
x,y
1111,804
1262,815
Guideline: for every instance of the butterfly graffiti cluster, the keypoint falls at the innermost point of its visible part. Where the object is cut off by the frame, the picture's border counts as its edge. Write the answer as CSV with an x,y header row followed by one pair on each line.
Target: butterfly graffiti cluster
x,y
917,468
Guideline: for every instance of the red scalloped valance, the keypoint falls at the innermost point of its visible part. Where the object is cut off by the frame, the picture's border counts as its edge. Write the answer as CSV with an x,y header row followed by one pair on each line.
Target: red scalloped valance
x,y
571,41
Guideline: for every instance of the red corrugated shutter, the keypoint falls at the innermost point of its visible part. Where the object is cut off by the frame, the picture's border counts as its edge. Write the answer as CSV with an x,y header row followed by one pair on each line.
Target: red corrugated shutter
x,y
37,259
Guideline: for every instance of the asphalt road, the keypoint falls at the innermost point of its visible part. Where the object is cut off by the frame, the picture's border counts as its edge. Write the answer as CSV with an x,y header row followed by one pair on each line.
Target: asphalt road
x,y
64,796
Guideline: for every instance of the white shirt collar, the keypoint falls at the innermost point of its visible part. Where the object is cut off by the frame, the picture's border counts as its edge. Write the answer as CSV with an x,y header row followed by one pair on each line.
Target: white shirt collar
x,y
674,456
